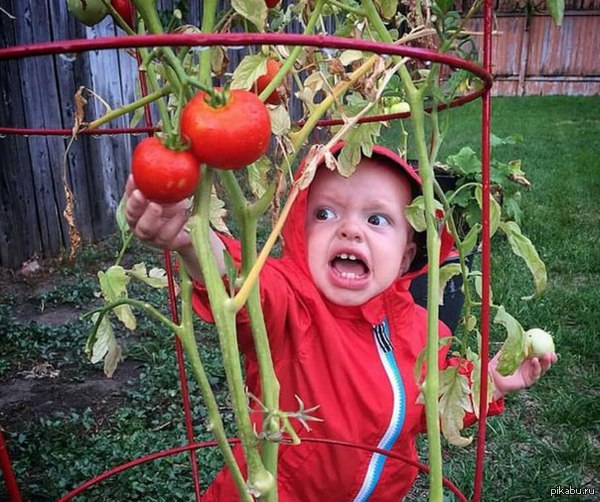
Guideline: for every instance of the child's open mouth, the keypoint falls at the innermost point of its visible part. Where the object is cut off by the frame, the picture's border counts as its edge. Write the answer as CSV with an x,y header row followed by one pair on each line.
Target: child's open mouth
x,y
349,266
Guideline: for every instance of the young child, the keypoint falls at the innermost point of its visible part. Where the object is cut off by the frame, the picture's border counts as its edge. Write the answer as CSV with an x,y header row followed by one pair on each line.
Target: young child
x,y
344,330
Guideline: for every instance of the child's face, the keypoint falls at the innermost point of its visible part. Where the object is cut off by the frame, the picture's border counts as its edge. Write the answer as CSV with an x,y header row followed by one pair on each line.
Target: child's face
x,y
358,239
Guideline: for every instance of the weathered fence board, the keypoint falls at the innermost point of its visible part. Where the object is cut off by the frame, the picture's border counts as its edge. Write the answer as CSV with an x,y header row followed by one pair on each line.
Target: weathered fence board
x,y
531,56
39,92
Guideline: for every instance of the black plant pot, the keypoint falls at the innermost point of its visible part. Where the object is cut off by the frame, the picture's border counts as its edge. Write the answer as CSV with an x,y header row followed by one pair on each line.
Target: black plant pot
x,y
450,312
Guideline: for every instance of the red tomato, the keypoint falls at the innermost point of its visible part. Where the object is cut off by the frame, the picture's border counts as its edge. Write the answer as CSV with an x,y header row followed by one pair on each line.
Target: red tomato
x,y
164,175
264,80
271,3
126,10
229,136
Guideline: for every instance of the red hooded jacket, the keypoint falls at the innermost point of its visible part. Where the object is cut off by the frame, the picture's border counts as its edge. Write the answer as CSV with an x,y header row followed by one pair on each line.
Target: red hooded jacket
x,y
356,363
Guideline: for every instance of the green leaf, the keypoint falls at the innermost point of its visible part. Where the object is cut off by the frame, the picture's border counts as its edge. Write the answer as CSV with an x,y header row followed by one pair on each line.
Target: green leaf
x,y
360,138
465,161
513,139
249,69
557,11
512,206
514,347
124,228
523,247
470,240
477,278
495,209
387,8
415,214
255,11
455,400
447,272
156,278
113,284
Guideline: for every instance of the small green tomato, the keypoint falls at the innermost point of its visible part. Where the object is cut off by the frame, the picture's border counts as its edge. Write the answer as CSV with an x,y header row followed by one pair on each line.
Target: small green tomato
x,y
539,342
89,12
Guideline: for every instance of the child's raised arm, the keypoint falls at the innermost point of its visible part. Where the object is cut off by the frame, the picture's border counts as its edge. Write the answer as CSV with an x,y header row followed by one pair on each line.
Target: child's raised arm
x,y
164,226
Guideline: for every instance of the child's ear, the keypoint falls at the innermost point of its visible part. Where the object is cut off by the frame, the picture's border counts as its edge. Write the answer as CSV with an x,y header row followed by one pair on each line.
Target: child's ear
x,y
409,255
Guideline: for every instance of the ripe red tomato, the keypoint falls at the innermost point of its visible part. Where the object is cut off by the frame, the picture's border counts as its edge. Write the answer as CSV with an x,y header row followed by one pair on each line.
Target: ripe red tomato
x,y
164,175
263,81
126,10
271,3
229,136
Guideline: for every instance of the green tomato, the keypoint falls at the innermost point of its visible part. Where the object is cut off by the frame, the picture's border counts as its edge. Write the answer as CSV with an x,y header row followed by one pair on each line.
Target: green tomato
x,y
539,342
89,12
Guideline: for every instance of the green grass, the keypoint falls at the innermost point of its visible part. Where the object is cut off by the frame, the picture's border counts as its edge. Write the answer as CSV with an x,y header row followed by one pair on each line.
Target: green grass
x,y
548,436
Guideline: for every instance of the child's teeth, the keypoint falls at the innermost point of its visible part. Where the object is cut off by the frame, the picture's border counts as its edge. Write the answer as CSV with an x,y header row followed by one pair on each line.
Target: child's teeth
x,y
349,275
344,256
352,257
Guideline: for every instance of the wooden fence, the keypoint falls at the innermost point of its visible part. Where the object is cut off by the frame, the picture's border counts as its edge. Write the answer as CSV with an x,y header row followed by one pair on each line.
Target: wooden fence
x,y
38,93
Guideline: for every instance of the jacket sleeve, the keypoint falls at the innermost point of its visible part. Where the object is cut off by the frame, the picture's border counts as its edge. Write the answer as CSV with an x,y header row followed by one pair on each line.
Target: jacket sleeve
x,y
273,293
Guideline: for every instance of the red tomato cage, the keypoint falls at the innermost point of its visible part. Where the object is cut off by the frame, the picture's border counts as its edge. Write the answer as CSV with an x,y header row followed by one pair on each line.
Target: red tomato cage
x,y
237,39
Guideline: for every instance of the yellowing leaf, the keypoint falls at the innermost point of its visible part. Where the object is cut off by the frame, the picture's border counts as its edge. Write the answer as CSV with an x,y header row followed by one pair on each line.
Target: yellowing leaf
x,y
280,120
515,345
102,344
254,11
157,277
257,176
113,284
113,357
218,214
524,248
455,400
249,69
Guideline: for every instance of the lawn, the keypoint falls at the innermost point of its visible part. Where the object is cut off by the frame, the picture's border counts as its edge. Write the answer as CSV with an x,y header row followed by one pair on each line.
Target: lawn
x,y
64,422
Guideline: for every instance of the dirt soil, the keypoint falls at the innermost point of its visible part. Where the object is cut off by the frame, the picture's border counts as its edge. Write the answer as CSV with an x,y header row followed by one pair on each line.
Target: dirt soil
x,y
35,389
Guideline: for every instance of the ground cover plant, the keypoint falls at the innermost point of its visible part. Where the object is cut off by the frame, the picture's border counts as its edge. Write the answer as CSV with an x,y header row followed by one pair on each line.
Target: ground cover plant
x,y
64,422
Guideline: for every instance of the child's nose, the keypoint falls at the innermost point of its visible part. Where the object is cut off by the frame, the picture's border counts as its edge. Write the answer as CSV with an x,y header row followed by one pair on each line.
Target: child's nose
x,y
350,231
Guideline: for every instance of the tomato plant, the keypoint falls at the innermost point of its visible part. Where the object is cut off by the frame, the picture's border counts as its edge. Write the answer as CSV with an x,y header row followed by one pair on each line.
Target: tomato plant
x,y
89,12
230,135
126,10
162,174
263,81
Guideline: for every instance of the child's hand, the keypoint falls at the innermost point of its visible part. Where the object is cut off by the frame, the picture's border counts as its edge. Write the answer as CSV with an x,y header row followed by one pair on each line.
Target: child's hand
x,y
528,373
160,225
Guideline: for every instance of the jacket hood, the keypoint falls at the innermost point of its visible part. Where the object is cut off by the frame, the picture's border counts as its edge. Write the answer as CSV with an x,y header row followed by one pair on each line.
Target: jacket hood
x,y
293,233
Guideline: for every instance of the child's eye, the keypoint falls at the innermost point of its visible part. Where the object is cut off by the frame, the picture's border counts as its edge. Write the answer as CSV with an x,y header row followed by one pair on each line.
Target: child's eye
x,y
324,214
378,220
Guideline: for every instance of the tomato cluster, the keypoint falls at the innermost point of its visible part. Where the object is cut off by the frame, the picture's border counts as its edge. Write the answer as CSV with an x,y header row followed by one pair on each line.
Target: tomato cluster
x,y
229,135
